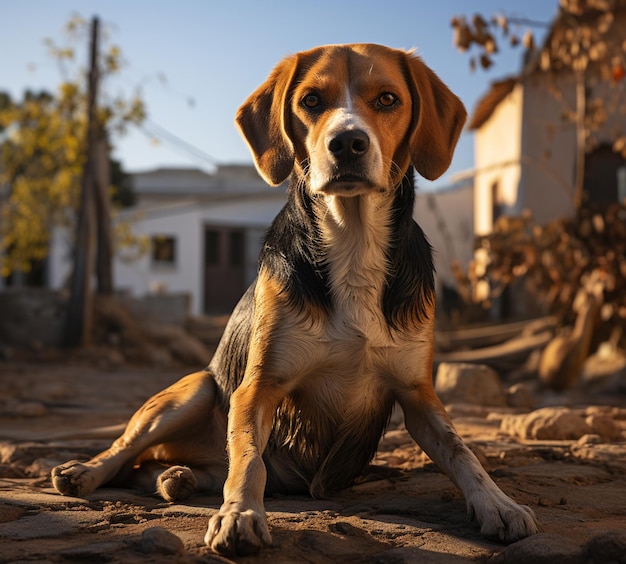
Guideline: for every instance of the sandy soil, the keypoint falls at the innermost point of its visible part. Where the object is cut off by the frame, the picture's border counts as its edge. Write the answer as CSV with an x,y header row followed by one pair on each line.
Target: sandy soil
x,y
405,510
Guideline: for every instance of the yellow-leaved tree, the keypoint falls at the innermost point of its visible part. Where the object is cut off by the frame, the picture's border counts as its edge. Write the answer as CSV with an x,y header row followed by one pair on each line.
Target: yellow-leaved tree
x,y
42,151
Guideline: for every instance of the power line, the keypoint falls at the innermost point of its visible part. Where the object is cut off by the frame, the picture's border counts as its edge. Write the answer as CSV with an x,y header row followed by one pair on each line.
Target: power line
x,y
154,130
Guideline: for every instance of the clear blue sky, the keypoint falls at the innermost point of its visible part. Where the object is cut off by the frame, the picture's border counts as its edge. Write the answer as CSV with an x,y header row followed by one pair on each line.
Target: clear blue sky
x,y
219,52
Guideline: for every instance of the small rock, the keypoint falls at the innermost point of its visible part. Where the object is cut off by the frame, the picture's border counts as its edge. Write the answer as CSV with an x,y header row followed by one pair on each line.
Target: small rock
x,y
456,410
605,371
159,540
469,383
606,547
589,439
548,423
519,395
543,548
604,426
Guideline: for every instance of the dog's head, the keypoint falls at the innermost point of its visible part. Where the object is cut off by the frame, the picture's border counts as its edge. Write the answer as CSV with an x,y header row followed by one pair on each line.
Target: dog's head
x,y
351,118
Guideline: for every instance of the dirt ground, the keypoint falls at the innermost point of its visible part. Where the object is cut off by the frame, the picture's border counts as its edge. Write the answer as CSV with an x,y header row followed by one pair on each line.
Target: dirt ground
x,y
405,510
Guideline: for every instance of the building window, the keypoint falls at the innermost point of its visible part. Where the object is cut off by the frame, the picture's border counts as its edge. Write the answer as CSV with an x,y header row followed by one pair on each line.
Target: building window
x,y
163,250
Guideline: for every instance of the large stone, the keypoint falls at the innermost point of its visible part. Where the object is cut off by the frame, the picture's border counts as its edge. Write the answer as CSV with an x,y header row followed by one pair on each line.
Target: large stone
x,y
548,423
543,548
469,383
606,547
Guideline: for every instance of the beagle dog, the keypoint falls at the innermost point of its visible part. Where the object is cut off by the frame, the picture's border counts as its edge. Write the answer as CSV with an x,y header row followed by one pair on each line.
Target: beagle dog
x,y
338,325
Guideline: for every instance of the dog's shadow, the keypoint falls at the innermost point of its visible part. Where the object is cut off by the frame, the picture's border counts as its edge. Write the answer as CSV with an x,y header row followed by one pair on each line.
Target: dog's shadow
x,y
371,522
377,520
324,536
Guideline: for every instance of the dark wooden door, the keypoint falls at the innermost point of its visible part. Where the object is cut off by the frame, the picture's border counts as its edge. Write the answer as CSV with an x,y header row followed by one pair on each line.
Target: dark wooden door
x,y
224,268
601,175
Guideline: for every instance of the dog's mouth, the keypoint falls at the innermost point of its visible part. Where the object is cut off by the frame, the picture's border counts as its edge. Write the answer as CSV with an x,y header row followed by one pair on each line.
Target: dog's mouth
x,y
348,185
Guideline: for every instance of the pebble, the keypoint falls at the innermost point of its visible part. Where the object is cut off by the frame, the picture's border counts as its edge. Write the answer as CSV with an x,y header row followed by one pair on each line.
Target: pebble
x,y
604,426
157,540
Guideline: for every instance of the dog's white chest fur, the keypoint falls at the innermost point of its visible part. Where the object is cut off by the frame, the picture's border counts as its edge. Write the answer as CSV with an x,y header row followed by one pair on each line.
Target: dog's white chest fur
x,y
356,233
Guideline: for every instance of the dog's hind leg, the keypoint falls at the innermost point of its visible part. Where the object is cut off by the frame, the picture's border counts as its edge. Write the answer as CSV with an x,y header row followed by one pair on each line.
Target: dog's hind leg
x,y
177,482
181,413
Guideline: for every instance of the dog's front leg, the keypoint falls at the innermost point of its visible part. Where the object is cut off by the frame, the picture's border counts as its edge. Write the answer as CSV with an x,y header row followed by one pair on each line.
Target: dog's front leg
x,y
428,423
240,526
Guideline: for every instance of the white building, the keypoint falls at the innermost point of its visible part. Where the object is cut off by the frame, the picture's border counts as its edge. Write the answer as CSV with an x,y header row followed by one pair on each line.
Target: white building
x,y
204,233
525,148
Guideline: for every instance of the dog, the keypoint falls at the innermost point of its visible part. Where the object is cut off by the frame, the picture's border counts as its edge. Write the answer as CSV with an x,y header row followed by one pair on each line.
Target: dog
x,y
338,325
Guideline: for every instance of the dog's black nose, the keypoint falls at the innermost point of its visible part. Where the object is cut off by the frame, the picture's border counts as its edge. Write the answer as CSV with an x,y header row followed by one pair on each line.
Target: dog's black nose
x,y
349,145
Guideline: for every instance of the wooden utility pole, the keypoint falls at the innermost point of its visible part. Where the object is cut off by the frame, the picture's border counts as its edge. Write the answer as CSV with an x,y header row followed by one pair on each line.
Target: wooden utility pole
x,y
104,248
80,307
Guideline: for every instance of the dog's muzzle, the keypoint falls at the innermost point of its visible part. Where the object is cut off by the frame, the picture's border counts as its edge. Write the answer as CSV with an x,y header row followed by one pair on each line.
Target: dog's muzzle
x,y
348,163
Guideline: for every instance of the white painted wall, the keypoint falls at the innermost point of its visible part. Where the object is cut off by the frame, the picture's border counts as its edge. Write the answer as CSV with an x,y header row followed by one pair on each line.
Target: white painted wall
x,y
548,148
497,148
186,222
142,276
446,216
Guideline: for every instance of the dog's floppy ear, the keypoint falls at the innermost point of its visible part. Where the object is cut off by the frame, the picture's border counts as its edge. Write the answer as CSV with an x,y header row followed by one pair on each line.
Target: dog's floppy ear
x,y
262,120
438,118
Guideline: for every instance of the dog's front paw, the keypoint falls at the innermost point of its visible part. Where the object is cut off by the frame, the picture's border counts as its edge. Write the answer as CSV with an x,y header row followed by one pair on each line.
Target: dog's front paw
x,y
501,518
176,483
234,531
74,478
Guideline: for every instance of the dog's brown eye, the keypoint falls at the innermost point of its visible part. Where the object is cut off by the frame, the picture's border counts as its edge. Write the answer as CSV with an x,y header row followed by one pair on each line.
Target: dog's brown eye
x,y
387,100
311,101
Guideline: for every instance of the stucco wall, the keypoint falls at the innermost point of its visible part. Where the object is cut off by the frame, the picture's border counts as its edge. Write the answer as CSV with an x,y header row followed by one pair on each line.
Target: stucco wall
x,y
548,148
186,222
446,218
497,146
141,276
